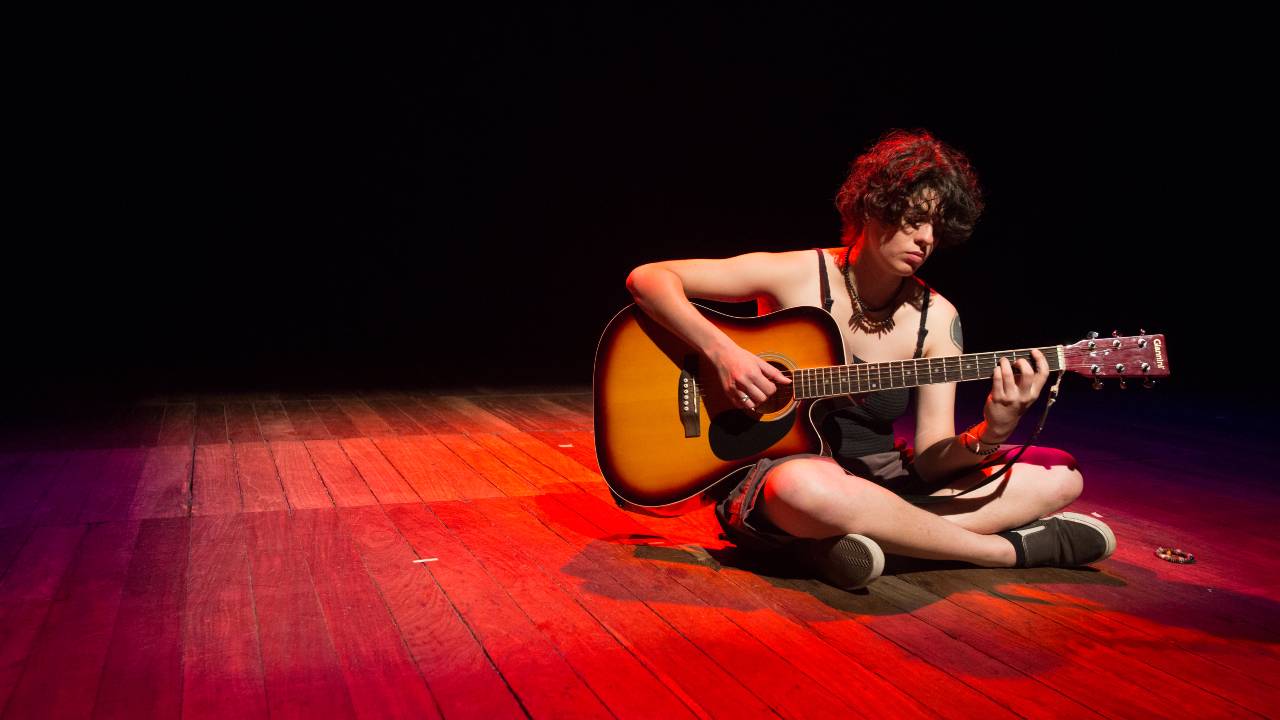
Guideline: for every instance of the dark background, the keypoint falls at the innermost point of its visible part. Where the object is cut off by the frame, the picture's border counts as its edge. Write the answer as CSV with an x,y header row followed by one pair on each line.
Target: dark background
x,y
297,202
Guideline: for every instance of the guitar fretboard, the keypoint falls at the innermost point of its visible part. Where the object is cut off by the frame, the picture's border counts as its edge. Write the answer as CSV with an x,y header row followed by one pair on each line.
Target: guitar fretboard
x,y
811,383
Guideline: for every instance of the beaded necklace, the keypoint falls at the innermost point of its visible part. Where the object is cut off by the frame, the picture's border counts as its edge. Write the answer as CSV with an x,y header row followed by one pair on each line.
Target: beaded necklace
x,y
859,317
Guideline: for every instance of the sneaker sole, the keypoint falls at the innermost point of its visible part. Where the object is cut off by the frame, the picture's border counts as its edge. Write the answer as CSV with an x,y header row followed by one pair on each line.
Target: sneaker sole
x,y
854,562
1096,524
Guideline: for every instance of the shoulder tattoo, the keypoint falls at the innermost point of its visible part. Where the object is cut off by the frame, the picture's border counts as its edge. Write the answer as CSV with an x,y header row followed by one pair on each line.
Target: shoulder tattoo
x,y
957,336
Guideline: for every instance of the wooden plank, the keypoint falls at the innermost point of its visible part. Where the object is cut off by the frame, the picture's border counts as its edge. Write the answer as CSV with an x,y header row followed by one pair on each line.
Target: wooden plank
x,y
392,416
381,676
1083,671
214,489
546,685
417,464
492,468
570,416
26,593
1153,650
608,668
242,423
382,479
1153,595
581,404
256,473
301,671
25,483
1170,612
305,420
571,470
179,424
11,542
66,491
826,663
459,673
769,675
111,497
541,477
424,417
433,470
989,677
465,415
1238,568
273,421
164,485
142,674
221,659
60,677
301,481
683,668
836,621
576,444
367,422
340,477
335,421
520,411
211,424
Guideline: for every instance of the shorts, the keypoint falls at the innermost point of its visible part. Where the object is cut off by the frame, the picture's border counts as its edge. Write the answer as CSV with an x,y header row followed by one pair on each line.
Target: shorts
x,y
754,532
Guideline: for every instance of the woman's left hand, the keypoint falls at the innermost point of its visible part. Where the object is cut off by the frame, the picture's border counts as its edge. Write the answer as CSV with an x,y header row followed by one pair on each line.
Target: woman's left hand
x,y
1012,395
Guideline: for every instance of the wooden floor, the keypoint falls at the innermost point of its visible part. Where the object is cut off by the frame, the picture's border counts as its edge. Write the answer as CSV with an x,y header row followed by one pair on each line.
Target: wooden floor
x,y
398,555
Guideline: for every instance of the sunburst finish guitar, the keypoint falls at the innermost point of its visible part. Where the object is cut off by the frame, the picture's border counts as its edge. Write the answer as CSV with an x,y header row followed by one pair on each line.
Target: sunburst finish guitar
x,y
665,438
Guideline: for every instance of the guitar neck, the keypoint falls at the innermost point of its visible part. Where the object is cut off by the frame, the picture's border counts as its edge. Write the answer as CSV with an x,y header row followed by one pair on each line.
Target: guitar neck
x,y
821,382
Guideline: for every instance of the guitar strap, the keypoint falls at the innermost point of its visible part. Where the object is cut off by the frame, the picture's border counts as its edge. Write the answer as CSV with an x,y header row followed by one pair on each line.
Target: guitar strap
x,y
826,285
935,499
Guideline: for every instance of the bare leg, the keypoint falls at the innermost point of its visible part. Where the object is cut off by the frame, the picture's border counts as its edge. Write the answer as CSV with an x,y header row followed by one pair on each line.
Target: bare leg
x,y
816,498
1043,481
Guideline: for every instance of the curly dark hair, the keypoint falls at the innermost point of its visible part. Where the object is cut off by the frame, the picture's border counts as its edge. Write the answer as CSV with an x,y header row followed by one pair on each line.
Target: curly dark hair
x,y
884,181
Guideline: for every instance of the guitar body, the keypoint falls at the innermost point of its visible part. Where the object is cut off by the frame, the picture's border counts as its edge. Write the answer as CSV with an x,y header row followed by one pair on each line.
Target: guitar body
x,y
665,433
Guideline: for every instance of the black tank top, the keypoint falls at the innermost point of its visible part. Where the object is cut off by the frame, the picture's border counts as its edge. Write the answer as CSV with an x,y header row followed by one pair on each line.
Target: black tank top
x,y
859,429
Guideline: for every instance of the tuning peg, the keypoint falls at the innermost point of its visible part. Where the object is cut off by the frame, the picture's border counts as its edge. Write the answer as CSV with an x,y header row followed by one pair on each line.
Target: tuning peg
x,y
1097,384
1148,383
1092,335
1141,331
1123,386
1115,333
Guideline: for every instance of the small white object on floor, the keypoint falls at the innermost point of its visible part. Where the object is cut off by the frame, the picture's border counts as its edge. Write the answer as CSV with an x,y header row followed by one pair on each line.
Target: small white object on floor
x,y
426,560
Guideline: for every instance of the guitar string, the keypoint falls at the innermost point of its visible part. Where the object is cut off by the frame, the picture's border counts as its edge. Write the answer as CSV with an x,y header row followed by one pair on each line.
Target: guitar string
x,y
925,365
860,373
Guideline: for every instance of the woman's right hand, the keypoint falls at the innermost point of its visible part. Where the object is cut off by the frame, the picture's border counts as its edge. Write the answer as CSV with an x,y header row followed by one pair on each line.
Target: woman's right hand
x,y
745,379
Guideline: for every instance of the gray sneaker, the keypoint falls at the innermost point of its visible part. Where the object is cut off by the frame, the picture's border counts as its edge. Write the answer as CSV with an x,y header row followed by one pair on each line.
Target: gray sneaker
x,y
848,562
1064,540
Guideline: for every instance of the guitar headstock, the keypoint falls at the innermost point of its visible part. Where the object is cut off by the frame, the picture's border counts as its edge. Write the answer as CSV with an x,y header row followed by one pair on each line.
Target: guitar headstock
x,y
1141,356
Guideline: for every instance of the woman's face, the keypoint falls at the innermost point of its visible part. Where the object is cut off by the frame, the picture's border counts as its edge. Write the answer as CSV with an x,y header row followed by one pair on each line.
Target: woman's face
x,y
905,247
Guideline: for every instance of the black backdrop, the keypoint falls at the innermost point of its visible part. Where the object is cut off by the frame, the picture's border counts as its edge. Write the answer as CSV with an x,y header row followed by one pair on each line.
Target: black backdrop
x,y
299,202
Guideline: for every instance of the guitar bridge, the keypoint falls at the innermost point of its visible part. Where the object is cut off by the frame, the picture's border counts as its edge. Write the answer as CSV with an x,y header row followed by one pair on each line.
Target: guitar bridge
x,y
687,397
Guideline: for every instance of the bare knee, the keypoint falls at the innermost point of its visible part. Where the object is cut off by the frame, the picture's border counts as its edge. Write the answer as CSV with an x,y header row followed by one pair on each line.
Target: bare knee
x,y
1060,482
812,499
1067,484
1056,488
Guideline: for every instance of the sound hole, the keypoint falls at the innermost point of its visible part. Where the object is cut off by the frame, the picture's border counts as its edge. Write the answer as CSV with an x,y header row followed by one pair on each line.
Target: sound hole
x,y
778,401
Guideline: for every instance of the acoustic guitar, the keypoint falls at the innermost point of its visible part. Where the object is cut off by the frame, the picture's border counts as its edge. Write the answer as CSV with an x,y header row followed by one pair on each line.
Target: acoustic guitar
x,y
667,436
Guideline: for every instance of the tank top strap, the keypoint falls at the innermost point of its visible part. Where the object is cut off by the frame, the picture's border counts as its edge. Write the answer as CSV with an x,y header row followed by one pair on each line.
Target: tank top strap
x,y
822,276
924,313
